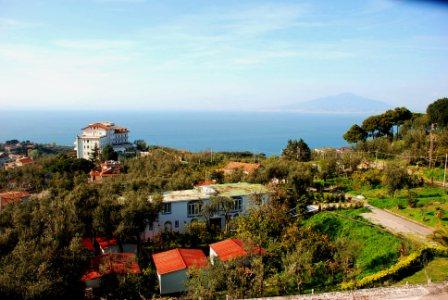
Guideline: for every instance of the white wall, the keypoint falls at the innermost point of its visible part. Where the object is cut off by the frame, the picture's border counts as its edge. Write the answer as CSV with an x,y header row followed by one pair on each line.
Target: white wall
x,y
173,282
101,137
213,255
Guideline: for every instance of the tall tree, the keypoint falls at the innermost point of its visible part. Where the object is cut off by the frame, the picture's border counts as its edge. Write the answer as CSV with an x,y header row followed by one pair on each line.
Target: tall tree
x,y
371,125
136,213
297,150
141,145
95,155
438,112
355,134
109,153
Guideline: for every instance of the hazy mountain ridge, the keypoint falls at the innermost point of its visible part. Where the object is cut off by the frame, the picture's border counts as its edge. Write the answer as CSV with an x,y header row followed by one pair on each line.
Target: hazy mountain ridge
x,y
341,103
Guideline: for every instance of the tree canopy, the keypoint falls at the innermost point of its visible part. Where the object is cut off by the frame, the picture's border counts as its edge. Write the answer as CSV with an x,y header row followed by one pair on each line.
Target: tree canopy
x,y
297,150
355,134
438,112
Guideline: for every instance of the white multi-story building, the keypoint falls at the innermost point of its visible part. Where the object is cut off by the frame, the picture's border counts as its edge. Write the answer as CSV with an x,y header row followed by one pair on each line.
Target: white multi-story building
x,y
100,135
180,208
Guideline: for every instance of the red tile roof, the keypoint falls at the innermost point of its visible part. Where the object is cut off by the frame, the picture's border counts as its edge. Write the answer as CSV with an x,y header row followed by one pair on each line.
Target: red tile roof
x,y
87,242
100,125
233,248
12,197
25,160
178,259
105,242
90,276
112,263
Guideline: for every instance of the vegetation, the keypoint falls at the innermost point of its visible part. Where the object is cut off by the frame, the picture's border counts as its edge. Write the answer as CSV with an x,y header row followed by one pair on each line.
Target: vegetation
x,y
297,150
41,254
434,271
438,112
428,202
375,248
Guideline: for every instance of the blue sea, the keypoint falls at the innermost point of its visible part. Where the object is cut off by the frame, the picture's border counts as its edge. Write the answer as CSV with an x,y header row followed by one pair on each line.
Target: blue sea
x,y
259,132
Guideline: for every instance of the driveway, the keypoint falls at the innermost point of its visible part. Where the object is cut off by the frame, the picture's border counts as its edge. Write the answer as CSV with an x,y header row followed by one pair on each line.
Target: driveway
x,y
396,223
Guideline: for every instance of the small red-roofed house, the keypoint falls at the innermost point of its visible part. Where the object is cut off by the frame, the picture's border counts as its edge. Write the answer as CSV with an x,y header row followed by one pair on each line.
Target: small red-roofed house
x,y
172,268
232,248
111,263
12,197
24,161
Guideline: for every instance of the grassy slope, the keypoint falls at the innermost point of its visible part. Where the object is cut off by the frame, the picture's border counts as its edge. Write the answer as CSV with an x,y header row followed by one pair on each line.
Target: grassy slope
x,y
436,270
435,173
377,249
429,199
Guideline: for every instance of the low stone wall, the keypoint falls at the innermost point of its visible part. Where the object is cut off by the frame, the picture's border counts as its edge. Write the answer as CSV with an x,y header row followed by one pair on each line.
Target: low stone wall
x,y
408,292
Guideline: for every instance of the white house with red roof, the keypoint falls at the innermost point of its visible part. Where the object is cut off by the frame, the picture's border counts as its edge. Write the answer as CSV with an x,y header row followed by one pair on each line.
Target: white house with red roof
x,y
172,267
231,249
99,135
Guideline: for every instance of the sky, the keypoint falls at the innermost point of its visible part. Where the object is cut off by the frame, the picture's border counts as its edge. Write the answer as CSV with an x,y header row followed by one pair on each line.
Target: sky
x,y
220,55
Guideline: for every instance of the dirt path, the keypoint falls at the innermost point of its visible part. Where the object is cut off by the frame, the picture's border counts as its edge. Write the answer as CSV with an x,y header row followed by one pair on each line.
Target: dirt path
x,y
396,223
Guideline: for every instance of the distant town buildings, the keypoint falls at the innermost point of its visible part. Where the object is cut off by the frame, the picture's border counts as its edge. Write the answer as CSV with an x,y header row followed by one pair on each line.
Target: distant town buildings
x,y
180,208
19,162
98,135
4,158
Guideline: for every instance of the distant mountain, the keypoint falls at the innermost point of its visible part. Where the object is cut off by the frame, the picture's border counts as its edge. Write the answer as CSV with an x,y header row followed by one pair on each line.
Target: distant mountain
x,y
342,103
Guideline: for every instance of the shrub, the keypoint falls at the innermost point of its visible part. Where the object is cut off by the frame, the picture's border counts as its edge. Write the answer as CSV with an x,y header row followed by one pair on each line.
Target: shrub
x,y
404,267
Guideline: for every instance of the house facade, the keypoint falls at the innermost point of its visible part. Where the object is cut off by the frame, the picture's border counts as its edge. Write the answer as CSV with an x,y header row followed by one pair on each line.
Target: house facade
x,y
181,208
98,135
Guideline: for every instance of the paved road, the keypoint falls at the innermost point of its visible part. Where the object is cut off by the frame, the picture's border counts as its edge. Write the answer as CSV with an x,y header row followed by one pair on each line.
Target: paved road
x,y
395,223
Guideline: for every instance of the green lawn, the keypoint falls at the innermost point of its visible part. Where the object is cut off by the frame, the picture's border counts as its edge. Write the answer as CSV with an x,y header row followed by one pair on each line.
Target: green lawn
x,y
429,201
377,249
435,173
437,270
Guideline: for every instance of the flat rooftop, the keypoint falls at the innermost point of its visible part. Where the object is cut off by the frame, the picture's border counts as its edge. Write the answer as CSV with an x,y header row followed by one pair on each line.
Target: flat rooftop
x,y
205,192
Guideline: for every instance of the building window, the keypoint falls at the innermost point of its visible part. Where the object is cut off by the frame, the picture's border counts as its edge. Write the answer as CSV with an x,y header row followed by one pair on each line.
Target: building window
x,y
168,226
194,208
166,208
237,203
176,224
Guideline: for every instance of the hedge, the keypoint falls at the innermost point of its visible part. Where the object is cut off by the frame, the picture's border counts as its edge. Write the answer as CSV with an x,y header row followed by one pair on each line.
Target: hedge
x,y
404,267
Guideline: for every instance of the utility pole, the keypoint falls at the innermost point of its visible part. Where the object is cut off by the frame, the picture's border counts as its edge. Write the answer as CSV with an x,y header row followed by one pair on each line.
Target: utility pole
x,y
444,170
431,144
211,154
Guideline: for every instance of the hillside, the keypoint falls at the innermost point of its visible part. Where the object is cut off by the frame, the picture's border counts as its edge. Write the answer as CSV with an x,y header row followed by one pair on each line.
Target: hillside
x,y
342,103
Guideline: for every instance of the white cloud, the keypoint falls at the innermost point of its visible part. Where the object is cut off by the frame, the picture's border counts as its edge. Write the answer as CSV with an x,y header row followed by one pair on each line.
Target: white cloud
x,y
95,44
8,23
